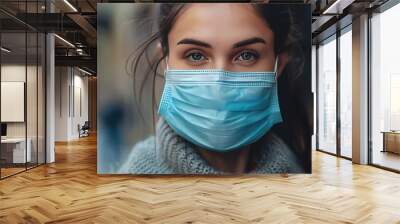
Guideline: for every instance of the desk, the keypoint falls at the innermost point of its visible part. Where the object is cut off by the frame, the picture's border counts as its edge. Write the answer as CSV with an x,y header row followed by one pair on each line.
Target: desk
x,y
13,150
391,141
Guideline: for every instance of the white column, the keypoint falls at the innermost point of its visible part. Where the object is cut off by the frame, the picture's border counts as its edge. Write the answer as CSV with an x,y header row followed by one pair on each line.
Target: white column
x,y
360,90
50,93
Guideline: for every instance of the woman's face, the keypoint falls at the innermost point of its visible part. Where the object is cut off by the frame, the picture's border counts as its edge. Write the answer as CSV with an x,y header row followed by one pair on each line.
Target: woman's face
x,y
232,37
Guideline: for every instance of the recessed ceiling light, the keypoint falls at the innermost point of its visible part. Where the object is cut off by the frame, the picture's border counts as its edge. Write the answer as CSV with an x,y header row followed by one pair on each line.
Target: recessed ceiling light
x,y
84,71
335,6
65,41
70,5
5,50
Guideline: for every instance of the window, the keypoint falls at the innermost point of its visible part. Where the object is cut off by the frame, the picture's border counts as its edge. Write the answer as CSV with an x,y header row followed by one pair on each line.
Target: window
x,y
385,89
346,93
327,96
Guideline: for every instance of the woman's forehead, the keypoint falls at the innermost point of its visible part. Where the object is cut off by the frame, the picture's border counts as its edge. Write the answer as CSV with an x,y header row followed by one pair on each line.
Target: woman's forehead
x,y
219,22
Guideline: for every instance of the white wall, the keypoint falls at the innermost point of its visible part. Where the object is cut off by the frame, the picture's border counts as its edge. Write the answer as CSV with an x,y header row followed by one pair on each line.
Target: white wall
x,y
79,117
61,103
70,83
16,73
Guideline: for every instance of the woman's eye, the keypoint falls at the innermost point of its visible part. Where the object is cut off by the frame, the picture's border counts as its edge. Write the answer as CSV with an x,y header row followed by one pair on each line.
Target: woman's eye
x,y
195,57
247,56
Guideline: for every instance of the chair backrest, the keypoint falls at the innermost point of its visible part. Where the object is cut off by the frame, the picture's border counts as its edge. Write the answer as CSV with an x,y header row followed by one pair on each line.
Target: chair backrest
x,y
86,125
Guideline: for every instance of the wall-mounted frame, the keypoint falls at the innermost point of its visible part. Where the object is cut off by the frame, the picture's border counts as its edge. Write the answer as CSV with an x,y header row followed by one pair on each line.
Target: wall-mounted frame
x,y
13,98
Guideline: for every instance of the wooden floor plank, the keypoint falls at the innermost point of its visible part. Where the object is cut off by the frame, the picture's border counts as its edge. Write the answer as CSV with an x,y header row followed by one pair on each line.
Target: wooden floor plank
x,y
70,191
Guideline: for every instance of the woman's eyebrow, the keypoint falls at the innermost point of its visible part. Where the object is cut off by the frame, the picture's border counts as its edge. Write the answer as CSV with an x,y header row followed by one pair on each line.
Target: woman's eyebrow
x,y
194,42
249,41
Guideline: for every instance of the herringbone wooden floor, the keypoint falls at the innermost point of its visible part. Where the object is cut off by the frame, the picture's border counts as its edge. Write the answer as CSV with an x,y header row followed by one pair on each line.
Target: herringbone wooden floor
x,y
70,191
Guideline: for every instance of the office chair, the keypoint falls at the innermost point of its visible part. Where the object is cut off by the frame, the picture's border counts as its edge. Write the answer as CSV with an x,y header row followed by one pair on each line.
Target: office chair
x,y
84,130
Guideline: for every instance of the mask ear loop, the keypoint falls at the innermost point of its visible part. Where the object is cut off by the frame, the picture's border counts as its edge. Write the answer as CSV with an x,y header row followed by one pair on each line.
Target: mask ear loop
x,y
166,65
276,68
166,62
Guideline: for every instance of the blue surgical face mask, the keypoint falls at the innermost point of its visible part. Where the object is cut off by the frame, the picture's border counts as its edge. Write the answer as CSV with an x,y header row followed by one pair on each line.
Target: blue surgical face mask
x,y
220,110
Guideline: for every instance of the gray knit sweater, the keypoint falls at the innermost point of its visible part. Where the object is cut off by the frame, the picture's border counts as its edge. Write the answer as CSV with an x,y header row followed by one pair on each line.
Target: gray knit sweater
x,y
168,153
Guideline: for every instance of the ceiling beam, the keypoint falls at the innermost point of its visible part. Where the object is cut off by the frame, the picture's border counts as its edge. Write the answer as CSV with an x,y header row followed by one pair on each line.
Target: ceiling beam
x,y
86,26
84,61
337,6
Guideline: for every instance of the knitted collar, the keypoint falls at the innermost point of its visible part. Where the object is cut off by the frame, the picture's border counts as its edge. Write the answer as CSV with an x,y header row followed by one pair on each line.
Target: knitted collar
x,y
182,157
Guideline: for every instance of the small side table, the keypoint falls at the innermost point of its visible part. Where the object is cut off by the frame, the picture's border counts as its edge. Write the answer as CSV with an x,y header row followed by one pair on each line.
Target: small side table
x,y
391,141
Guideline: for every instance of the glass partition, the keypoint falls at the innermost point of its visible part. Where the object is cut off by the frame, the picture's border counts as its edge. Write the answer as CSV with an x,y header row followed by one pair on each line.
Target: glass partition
x,y
327,96
14,153
31,100
385,89
22,78
346,93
